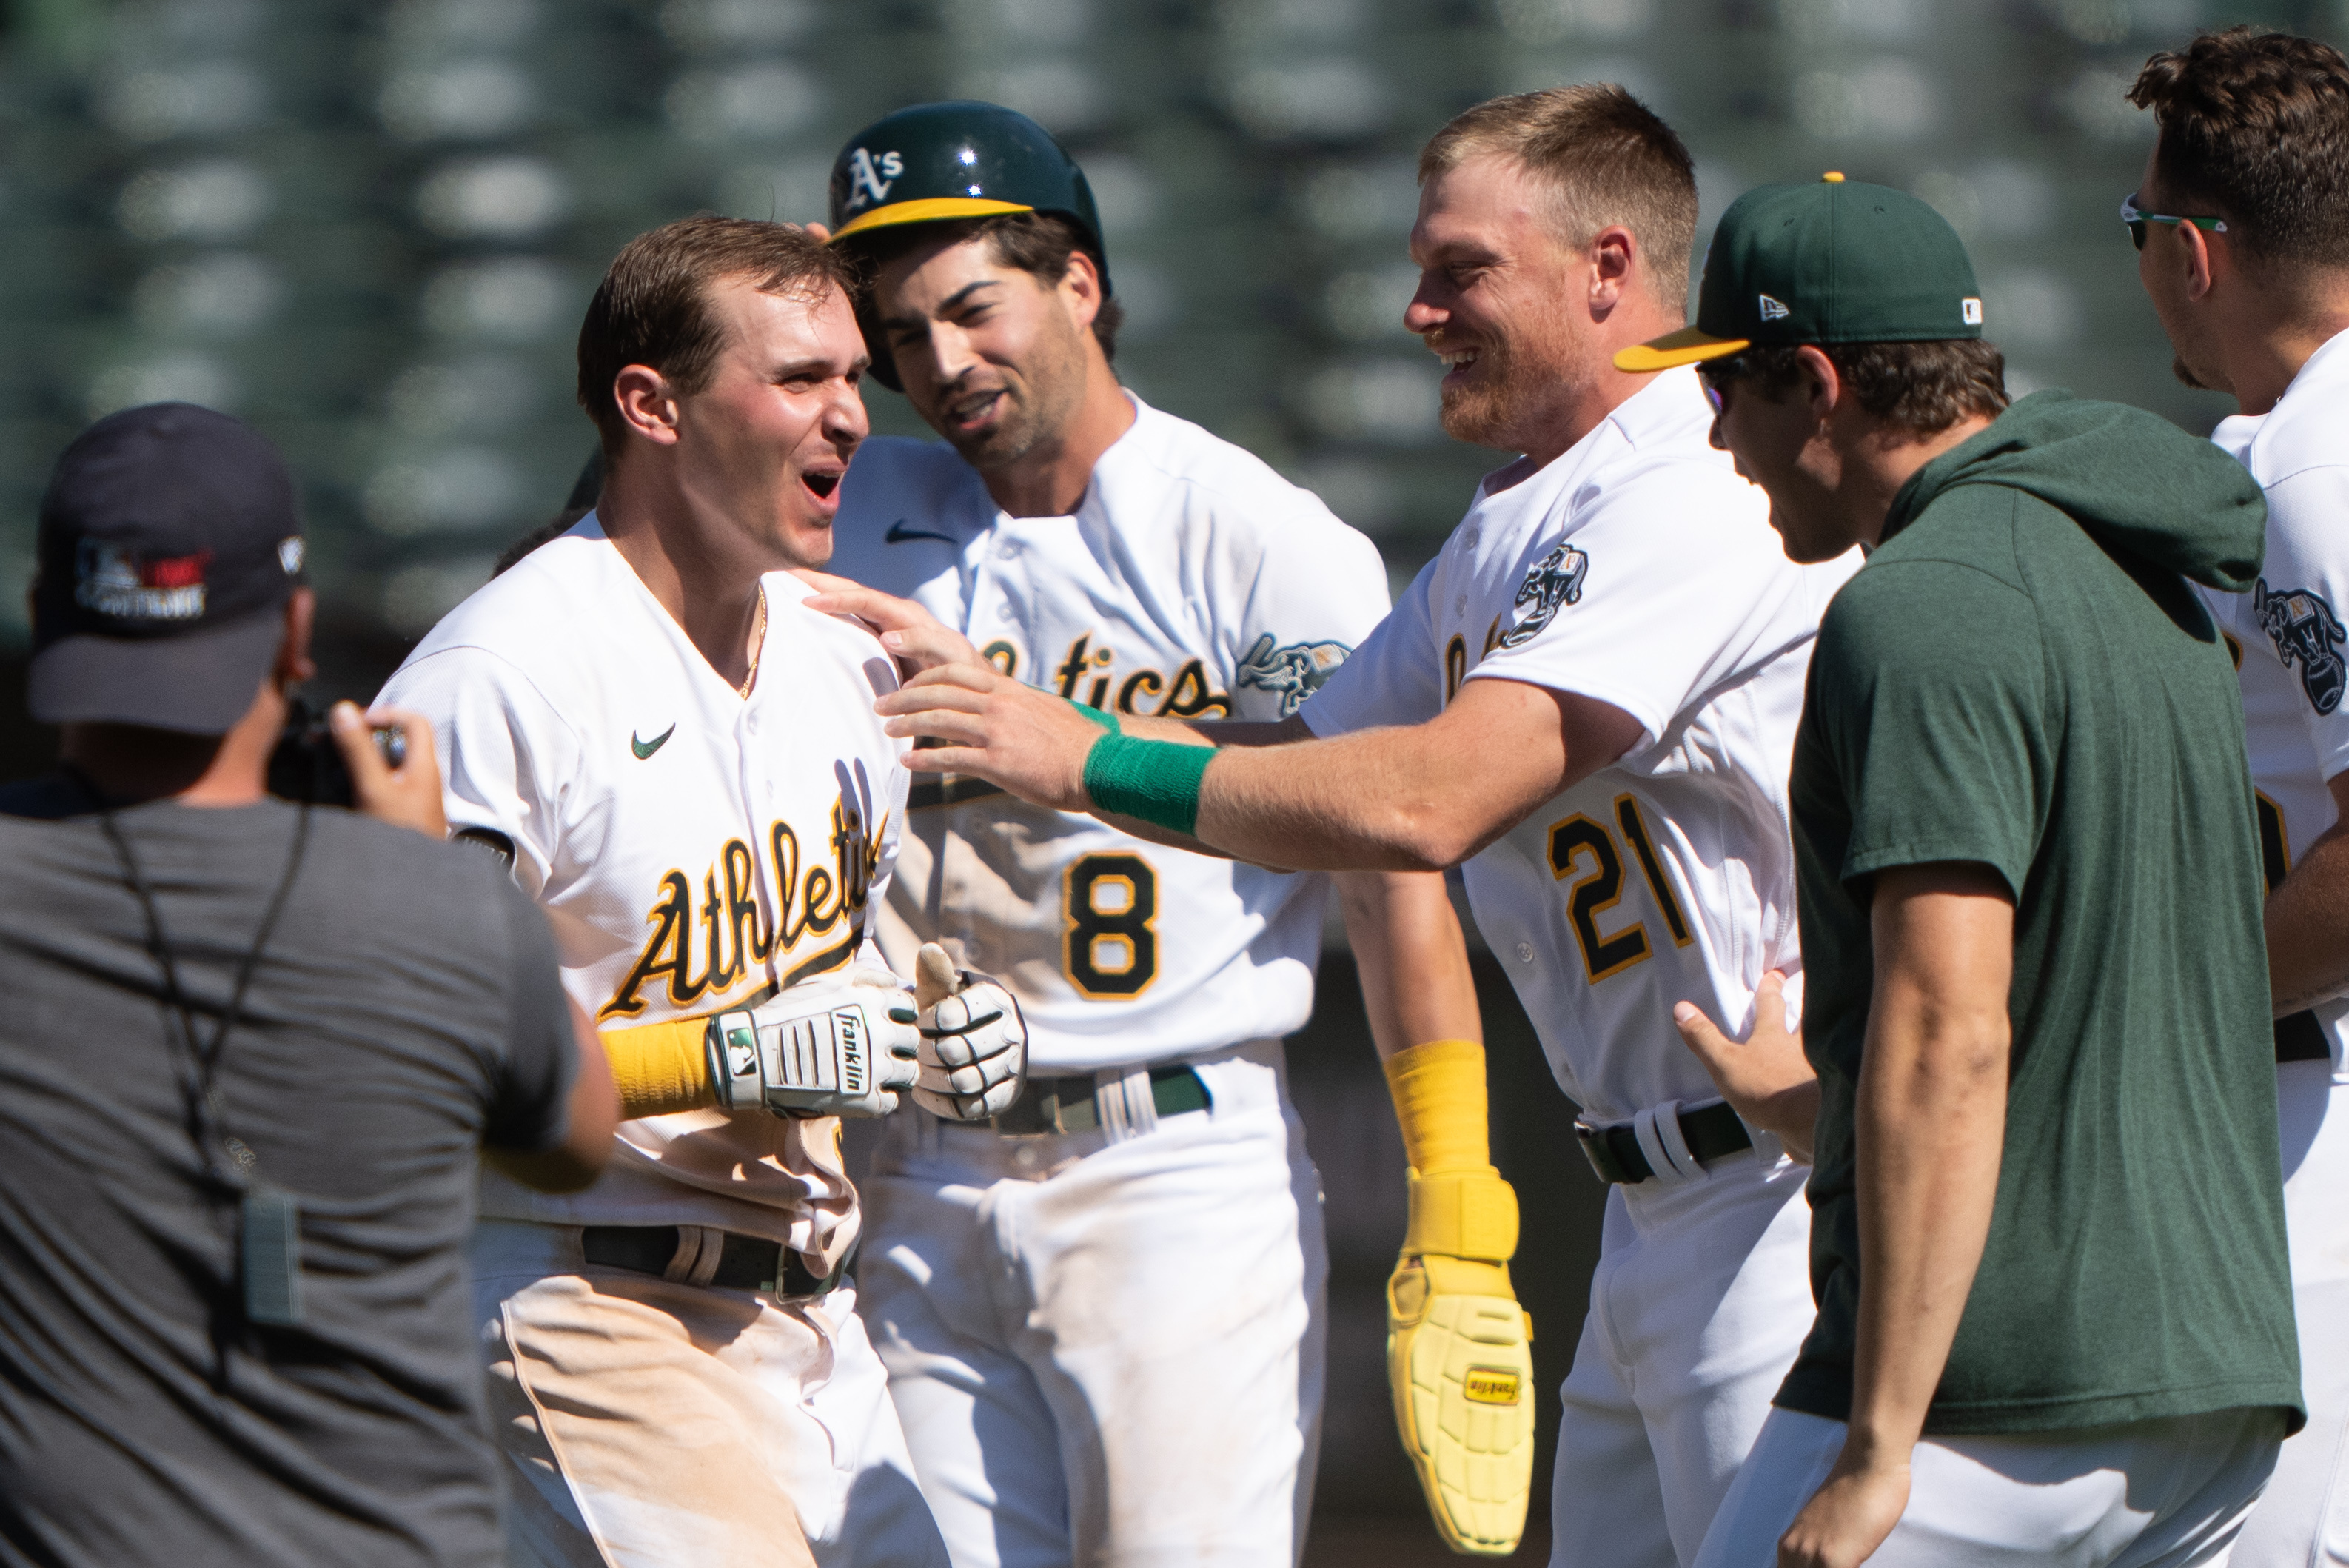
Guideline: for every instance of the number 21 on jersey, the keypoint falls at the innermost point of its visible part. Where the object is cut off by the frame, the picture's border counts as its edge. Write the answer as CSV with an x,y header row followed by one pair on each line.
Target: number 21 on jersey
x,y
1579,842
1109,942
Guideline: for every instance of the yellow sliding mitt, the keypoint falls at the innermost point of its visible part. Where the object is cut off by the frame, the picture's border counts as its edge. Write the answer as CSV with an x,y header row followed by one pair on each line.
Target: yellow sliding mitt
x,y
1459,1347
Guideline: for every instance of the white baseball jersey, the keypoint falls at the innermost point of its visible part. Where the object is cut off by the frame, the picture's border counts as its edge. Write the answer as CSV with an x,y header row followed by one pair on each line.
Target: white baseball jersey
x,y
692,847
1639,569
1192,580
2287,634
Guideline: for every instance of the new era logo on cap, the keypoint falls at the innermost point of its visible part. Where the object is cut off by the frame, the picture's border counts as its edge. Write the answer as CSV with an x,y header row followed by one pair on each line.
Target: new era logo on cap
x,y
1771,310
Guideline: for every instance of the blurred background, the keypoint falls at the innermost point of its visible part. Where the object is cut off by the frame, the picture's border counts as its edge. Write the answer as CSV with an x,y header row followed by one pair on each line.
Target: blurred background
x,y
371,228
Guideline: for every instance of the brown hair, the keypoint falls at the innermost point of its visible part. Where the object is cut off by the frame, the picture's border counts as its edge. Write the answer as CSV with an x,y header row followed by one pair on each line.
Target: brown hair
x,y
1038,244
652,307
2255,128
1921,387
1605,155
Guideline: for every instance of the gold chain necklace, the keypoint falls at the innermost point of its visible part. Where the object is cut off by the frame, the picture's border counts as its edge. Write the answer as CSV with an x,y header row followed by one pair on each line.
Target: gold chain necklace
x,y
759,644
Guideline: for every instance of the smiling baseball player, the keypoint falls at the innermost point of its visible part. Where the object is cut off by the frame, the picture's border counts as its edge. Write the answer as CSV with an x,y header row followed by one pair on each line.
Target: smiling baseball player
x,y
680,761
1590,698
1104,1316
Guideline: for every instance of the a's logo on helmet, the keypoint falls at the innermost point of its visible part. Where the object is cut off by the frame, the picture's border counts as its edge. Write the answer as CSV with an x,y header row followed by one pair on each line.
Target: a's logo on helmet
x,y
869,178
2307,633
1555,582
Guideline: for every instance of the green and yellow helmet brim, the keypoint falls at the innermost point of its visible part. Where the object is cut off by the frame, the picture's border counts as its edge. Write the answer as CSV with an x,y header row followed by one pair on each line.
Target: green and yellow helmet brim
x,y
1687,347
927,210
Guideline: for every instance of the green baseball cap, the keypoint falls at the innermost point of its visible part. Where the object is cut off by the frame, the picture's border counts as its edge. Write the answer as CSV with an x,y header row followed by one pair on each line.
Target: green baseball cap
x,y
1832,262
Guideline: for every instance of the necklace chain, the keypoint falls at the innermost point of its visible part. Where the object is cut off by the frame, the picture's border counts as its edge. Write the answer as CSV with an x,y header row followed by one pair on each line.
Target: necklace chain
x,y
759,642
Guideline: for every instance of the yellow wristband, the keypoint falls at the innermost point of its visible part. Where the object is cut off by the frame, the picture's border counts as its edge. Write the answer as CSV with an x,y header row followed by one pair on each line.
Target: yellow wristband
x,y
1463,1214
661,1067
1439,1098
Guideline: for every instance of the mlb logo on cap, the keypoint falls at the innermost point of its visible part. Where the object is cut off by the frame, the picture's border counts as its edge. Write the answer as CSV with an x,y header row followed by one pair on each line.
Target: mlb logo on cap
x,y
169,542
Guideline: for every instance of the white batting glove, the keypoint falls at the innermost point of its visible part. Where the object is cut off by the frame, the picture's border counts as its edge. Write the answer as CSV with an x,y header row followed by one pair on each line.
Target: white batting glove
x,y
973,1041
831,1049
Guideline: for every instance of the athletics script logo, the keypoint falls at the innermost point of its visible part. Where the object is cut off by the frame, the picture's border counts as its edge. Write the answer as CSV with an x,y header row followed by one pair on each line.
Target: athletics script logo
x,y
1555,582
2307,633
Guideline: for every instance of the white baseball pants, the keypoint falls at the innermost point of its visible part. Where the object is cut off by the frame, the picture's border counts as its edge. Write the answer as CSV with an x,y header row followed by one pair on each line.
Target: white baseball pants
x,y
2148,1494
1699,1301
2303,1521
655,1424
1107,1348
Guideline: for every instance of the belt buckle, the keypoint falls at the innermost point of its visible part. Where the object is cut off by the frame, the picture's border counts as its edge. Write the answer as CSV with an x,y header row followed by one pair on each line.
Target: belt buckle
x,y
1596,1150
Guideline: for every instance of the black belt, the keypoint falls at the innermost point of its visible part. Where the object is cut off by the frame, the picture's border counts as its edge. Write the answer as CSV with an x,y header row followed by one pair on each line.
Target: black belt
x,y
1071,1105
2301,1038
1614,1152
744,1263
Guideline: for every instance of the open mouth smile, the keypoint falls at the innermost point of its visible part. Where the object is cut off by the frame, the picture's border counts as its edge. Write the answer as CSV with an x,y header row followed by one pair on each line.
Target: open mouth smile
x,y
822,484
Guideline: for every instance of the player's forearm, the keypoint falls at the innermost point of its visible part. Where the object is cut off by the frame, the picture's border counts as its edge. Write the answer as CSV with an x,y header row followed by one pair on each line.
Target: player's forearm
x,y
2308,927
1411,956
1379,801
1930,1121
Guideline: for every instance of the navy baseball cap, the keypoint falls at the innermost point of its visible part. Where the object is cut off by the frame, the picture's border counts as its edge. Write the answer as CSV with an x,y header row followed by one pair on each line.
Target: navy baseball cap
x,y
169,542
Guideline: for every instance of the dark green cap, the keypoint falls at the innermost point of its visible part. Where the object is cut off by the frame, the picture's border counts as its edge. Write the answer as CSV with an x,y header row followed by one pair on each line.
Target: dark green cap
x,y
1834,262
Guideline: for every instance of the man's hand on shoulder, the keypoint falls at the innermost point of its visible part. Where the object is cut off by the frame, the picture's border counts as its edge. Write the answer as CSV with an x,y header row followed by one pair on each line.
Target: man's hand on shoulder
x,y
914,638
1029,741
408,795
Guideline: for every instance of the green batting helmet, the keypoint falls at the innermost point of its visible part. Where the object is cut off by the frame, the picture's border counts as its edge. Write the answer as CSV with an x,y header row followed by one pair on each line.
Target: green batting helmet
x,y
935,162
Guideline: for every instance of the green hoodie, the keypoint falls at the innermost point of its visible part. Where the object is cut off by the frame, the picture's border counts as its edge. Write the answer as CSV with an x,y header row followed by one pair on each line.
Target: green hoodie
x,y
2020,678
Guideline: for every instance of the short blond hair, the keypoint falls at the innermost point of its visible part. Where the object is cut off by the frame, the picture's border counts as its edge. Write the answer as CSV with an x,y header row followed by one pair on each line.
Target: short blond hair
x,y
1607,157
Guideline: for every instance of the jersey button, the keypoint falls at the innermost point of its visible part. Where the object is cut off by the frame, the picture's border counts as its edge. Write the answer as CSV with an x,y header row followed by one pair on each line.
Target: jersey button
x,y
1524,953
1006,550
1470,538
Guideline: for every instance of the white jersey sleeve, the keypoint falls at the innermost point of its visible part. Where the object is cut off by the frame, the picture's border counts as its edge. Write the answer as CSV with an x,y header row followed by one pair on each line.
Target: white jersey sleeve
x,y
1394,678
505,753
1625,612
2301,596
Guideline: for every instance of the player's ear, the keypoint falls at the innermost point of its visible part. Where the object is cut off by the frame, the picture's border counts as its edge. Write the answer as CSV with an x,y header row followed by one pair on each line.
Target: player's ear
x,y
1081,284
647,402
1614,256
1822,384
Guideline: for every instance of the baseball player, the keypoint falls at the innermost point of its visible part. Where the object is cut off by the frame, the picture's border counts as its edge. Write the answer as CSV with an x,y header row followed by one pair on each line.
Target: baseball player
x,y
1589,697
2256,304
680,761
1102,1316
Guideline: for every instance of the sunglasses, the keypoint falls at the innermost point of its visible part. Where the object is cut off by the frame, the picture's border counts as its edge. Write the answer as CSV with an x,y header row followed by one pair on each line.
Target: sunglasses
x,y
2136,220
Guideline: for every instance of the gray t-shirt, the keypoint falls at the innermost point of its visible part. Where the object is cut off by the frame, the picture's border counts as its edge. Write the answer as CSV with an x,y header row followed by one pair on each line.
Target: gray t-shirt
x,y
406,1011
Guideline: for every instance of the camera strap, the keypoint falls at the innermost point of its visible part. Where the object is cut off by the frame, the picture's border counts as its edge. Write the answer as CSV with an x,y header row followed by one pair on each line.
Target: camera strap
x,y
269,1229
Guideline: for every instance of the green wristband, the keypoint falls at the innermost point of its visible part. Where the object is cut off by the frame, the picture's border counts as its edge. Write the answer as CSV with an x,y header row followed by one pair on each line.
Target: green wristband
x,y
1105,719
1156,781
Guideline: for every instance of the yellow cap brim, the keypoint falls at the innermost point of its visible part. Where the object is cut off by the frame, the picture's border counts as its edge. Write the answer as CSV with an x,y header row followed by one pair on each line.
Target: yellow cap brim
x,y
931,210
1686,347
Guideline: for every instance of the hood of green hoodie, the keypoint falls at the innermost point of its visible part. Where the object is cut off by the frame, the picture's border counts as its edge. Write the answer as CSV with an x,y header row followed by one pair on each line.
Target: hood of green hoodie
x,y
2139,483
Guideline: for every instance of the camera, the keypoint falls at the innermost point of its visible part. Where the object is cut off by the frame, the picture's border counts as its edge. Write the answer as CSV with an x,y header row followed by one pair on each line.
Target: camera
x,y
306,765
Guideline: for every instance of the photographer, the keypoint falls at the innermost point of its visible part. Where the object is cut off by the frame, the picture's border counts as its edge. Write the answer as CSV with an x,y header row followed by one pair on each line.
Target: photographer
x,y
250,1049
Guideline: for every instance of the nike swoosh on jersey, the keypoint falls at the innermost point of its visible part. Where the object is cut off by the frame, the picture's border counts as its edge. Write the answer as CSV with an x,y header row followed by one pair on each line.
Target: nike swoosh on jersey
x,y
898,533
646,748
